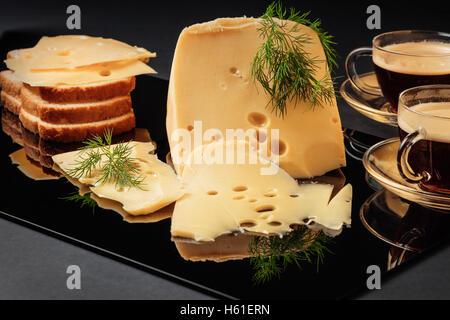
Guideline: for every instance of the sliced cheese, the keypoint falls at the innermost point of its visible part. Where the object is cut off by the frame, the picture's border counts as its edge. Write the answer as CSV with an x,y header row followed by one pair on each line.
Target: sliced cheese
x,y
159,188
211,82
225,198
72,51
161,214
106,72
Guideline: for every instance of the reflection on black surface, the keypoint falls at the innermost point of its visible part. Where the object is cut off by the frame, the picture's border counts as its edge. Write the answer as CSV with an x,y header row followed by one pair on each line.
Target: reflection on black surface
x,y
408,227
148,246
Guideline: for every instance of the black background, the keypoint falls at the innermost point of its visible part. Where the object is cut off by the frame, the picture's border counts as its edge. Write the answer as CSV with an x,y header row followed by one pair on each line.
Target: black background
x,y
156,25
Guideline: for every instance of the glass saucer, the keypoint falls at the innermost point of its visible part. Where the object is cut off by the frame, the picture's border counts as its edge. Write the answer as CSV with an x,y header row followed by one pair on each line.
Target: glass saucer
x,y
380,161
404,224
373,107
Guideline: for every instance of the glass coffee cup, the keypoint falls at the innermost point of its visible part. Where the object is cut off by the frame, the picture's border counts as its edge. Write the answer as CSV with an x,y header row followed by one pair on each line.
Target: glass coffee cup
x,y
424,127
403,60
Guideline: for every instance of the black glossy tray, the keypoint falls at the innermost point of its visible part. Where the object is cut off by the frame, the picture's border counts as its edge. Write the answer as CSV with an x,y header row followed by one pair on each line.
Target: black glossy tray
x,y
37,204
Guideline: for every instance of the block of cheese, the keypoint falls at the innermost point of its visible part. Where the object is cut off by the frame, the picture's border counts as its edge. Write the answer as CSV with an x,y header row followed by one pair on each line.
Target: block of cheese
x,y
73,51
222,198
211,82
159,188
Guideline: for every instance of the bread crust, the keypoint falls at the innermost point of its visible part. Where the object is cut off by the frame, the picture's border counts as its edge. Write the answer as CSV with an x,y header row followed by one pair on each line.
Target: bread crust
x,y
74,133
9,84
73,114
85,93
10,102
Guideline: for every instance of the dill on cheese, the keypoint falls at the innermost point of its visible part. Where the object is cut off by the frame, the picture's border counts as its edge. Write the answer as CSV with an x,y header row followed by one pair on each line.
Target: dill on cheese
x,y
283,67
114,163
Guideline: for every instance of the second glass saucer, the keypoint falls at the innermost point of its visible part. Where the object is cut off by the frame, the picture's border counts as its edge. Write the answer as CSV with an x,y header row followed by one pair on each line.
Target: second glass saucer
x,y
380,161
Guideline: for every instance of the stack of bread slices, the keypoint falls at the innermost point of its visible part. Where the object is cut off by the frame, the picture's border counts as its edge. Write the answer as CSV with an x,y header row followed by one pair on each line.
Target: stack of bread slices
x,y
57,94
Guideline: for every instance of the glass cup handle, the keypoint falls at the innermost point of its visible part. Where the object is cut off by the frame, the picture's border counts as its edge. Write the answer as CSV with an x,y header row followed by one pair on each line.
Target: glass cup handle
x,y
352,74
402,158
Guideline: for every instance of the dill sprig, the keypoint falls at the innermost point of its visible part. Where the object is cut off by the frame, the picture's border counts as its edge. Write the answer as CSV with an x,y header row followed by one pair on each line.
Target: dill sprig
x,y
270,256
113,163
283,67
84,200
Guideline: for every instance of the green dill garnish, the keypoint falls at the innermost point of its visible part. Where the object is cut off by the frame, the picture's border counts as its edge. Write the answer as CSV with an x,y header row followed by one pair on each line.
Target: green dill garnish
x,y
113,163
84,200
270,256
283,67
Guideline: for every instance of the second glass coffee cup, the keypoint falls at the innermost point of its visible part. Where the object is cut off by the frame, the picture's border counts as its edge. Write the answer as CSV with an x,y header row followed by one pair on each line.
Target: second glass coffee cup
x,y
403,60
424,128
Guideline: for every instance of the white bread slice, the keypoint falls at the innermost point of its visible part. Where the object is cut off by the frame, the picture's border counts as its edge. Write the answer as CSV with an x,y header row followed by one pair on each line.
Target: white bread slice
x,y
10,102
10,84
76,132
74,113
98,91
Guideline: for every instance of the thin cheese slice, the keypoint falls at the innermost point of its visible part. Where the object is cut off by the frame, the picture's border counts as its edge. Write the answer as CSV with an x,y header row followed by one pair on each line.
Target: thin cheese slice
x,y
228,198
159,188
211,84
161,214
107,72
72,51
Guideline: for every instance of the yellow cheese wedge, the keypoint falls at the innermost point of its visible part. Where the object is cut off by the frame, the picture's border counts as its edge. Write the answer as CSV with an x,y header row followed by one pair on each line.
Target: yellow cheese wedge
x,y
105,72
211,82
72,51
159,188
223,198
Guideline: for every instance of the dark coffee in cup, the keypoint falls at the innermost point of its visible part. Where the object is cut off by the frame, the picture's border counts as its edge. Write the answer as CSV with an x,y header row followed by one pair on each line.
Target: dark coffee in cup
x,y
405,65
429,156
402,60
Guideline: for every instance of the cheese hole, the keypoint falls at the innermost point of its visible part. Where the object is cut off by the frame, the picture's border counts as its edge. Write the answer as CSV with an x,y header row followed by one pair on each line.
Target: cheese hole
x,y
234,70
150,172
257,119
334,120
294,196
212,193
265,208
270,194
240,188
238,197
190,128
105,73
252,200
281,148
63,53
247,223
274,223
261,136
28,56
